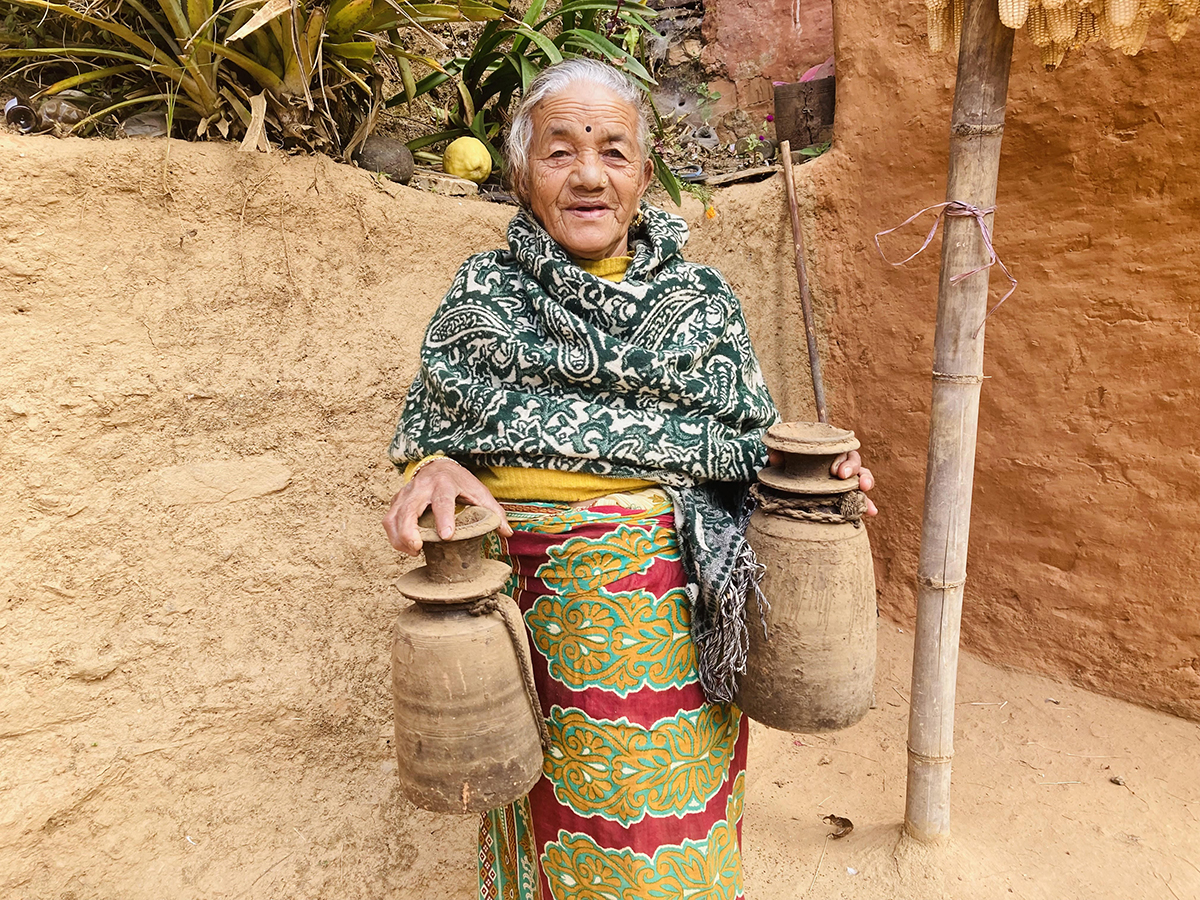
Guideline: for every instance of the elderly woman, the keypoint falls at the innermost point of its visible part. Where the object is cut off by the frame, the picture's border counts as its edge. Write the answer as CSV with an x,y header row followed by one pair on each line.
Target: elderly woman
x,y
600,394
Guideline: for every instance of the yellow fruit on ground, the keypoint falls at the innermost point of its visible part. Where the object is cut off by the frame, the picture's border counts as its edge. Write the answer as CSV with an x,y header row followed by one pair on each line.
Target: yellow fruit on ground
x,y
468,158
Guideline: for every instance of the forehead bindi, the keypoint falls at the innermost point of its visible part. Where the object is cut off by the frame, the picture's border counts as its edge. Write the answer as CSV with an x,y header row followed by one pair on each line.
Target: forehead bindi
x,y
585,113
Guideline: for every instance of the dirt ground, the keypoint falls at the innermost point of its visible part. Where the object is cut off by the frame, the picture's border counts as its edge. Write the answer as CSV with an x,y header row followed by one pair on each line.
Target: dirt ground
x,y
203,356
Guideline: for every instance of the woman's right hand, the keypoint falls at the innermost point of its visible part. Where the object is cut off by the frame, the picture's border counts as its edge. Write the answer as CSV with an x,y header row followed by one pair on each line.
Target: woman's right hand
x,y
438,486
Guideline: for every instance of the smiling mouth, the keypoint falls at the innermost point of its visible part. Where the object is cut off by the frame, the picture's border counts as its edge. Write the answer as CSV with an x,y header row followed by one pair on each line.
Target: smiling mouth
x,y
588,210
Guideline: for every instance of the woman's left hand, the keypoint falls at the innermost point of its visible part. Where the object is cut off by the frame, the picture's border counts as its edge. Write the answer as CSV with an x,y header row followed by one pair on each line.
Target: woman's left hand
x,y
845,466
850,464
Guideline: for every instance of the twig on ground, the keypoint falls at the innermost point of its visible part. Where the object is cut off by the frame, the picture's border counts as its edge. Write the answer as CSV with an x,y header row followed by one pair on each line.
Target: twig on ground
x,y
248,194
1167,882
1074,755
287,256
263,875
852,753
819,861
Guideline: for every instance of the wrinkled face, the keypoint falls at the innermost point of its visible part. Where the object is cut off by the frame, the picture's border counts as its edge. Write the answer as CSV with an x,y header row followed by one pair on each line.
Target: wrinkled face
x,y
586,170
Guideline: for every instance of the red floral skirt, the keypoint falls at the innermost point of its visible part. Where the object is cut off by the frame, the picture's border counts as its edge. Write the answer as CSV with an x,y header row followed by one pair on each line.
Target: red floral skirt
x,y
641,794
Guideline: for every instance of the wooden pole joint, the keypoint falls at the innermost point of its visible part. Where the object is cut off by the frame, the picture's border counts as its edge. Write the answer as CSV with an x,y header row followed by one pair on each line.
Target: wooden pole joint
x,y
929,760
939,585
971,129
954,378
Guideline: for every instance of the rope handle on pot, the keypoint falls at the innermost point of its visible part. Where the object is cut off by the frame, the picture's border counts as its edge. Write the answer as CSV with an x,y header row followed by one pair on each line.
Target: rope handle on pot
x,y
849,507
493,604
957,208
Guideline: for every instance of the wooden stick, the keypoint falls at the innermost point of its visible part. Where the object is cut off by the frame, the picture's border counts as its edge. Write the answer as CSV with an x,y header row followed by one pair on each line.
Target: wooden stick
x,y
810,328
977,127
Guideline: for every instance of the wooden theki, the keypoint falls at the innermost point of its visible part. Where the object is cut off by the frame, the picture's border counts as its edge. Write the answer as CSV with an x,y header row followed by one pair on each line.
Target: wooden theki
x,y
810,664
455,571
809,450
467,718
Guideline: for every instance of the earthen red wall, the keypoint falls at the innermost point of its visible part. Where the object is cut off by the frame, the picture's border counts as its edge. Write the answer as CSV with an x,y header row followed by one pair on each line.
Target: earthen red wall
x,y
1085,530
753,43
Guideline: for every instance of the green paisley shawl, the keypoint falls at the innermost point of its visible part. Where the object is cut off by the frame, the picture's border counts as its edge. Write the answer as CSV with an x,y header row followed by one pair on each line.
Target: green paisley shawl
x,y
532,362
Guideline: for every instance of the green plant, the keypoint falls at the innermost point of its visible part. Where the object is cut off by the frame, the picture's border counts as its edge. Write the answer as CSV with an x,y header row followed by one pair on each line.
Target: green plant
x,y
308,75
509,54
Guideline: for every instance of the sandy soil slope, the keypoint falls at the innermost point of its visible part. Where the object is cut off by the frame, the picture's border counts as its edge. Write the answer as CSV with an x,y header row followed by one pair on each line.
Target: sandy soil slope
x,y
201,361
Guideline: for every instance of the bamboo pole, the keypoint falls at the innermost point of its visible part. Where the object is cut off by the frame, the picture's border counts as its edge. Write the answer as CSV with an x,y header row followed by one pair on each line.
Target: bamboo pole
x,y
977,127
806,304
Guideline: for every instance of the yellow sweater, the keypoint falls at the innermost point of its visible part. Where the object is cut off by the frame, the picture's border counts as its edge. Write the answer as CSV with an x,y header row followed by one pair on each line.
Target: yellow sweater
x,y
511,483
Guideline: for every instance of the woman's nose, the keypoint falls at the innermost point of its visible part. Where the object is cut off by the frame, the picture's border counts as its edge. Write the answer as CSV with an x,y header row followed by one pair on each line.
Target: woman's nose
x,y
589,171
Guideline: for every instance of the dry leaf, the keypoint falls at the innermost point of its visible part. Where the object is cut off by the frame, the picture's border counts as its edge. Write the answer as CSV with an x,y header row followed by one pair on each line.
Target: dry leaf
x,y
841,826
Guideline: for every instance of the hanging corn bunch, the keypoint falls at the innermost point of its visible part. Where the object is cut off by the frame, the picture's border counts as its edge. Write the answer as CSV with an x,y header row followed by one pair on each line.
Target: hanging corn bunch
x,y
1057,26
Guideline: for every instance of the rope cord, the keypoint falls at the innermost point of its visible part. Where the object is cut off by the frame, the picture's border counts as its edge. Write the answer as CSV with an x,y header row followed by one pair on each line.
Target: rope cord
x,y
834,509
957,208
492,604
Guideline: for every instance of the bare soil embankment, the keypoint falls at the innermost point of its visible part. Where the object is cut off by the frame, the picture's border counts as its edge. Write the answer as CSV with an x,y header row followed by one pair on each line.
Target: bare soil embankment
x,y
203,356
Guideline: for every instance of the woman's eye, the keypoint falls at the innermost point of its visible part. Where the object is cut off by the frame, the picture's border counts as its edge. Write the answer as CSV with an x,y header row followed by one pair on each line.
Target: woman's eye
x,y
613,153
559,154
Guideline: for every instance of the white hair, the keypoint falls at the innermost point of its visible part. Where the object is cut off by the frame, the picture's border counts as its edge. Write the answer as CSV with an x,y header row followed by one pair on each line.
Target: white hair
x,y
554,80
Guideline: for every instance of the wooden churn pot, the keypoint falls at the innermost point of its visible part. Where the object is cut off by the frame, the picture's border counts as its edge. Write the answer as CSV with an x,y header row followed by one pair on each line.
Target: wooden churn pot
x,y
468,724
811,659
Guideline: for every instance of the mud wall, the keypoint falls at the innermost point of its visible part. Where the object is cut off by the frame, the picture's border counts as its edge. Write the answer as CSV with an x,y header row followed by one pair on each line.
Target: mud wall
x,y
749,44
1083,544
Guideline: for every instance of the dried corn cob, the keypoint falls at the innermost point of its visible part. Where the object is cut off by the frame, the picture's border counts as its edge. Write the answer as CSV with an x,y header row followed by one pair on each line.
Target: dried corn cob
x,y
936,4
1013,12
1052,55
1054,4
940,27
1036,26
1089,28
1121,13
1063,23
1129,39
958,7
1154,7
1176,30
1182,10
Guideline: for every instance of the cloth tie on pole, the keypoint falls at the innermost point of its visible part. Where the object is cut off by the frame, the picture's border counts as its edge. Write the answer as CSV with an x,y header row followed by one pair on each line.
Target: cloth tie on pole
x,y
956,208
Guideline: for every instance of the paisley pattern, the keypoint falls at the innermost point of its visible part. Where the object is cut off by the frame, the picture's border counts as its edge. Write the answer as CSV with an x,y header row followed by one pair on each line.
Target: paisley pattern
x,y
620,642
532,362
624,773
579,869
581,564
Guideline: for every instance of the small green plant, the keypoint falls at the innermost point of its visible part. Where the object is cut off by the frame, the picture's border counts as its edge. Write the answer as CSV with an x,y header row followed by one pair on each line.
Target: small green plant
x,y
815,150
509,54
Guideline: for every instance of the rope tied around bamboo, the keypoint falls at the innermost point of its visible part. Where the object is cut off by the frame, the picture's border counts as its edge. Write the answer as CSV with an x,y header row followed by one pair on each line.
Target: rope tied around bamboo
x,y
490,605
957,208
828,509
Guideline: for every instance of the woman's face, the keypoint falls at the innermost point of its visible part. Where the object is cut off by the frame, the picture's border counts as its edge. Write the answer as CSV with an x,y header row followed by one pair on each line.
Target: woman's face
x,y
587,172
